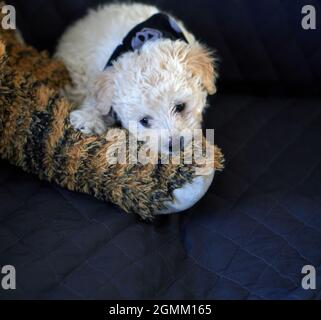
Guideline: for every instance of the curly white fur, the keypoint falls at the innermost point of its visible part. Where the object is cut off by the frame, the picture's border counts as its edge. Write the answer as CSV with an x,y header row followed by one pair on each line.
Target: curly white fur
x,y
148,83
141,84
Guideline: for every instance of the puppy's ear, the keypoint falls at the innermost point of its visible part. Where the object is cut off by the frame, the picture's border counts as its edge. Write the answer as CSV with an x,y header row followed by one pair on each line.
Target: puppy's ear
x,y
202,63
104,90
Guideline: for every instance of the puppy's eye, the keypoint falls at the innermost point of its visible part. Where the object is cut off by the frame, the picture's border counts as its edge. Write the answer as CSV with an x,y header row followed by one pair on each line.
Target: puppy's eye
x,y
145,122
180,107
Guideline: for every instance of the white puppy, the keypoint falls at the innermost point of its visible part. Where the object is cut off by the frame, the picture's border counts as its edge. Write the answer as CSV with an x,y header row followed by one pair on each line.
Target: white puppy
x,y
160,83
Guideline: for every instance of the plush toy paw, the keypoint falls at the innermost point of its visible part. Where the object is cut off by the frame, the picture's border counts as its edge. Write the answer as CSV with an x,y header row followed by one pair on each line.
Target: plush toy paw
x,y
87,122
186,196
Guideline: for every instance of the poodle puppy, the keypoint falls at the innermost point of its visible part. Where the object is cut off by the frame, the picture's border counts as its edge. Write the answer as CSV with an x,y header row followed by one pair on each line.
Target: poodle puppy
x,y
133,64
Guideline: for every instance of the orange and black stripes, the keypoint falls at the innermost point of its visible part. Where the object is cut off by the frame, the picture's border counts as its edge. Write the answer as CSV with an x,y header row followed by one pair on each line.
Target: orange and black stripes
x,y
36,135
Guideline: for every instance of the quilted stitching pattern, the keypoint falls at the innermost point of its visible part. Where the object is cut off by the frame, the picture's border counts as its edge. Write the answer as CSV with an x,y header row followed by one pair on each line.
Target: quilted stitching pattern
x,y
247,239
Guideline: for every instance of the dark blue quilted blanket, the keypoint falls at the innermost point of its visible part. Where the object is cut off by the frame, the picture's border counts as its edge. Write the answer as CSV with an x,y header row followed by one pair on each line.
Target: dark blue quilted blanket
x,y
260,222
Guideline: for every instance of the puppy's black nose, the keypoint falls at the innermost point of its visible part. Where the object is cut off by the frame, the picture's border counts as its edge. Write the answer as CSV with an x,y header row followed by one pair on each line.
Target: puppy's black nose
x,y
182,143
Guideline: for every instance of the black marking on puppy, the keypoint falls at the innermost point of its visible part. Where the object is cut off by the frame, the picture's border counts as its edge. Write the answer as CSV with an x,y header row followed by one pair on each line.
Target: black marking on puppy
x,y
158,26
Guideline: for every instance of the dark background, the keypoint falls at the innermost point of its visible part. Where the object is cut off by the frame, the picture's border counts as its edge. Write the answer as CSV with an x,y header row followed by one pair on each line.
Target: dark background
x,y
260,221
261,43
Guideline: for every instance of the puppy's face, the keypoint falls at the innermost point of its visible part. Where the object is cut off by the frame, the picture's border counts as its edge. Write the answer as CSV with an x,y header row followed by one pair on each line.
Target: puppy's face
x,y
161,89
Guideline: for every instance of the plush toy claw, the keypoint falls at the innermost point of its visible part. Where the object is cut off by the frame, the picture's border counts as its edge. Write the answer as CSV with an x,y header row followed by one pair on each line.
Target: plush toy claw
x,y
189,194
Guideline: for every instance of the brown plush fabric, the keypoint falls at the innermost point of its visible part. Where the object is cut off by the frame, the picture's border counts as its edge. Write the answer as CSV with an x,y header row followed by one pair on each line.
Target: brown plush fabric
x,y
35,134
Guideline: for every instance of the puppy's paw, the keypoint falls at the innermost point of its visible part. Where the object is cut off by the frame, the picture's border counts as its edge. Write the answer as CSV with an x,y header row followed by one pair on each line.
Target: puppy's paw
x,y
87,122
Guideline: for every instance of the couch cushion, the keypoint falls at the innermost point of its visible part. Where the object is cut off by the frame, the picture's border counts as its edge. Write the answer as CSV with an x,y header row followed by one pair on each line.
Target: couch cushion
x,y
248,238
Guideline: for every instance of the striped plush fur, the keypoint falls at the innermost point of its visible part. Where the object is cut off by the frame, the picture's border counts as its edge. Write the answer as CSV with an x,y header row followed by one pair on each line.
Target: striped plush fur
x,y
35,135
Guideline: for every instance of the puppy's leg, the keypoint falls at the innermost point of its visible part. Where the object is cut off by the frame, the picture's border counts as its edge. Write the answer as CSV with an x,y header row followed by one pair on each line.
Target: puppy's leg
x,y
88,119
